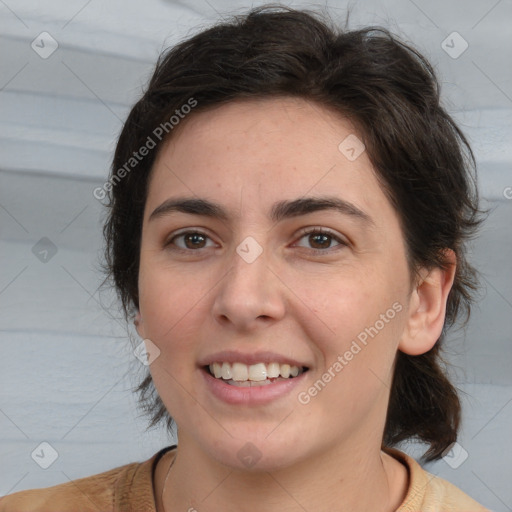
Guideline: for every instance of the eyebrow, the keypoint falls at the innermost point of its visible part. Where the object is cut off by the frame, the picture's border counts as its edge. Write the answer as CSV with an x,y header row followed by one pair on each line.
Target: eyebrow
x,y
280,210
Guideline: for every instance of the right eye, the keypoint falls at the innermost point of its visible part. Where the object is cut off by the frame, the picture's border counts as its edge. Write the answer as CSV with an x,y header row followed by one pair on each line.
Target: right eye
x,y
189,241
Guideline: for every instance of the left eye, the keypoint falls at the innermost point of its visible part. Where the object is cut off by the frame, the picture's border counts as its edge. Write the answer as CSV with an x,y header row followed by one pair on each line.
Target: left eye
x,y
321,239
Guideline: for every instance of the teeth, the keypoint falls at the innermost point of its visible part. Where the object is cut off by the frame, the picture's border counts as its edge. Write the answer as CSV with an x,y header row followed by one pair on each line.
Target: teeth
x,y
258,372
217,370
285,371
239,371
242,374
226,371
273,370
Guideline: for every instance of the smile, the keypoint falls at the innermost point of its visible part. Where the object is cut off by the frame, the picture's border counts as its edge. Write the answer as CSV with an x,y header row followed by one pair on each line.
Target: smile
x,y
259,374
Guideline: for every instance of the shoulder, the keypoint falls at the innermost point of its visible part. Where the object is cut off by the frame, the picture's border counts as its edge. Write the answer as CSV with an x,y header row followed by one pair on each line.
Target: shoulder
x,y
121,488
92,493
429,493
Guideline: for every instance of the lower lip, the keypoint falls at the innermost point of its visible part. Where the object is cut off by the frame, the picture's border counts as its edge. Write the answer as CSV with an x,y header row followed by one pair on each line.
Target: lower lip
x,y
254,395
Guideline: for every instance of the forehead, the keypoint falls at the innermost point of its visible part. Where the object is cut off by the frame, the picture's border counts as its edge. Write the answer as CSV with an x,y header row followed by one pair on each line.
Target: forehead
x,y
261,151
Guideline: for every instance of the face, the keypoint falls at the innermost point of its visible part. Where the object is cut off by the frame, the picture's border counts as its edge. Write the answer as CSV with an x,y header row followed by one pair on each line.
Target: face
x,y
286,257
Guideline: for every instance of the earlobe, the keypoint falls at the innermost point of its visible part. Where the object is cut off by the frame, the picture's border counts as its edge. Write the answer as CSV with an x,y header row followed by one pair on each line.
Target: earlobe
x,y
427,308
139,324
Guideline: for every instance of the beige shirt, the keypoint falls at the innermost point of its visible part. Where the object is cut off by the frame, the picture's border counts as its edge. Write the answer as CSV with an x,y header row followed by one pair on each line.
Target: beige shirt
x,y
130,488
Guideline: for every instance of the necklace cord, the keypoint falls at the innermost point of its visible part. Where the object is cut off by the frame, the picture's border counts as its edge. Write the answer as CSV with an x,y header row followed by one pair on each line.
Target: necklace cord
x,y
165,481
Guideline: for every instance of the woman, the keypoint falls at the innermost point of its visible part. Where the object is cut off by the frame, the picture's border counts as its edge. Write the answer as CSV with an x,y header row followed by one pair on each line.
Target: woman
x,y
289,206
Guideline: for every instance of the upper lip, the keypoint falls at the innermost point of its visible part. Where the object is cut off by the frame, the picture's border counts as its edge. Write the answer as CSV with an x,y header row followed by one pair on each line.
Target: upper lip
x,y
248,358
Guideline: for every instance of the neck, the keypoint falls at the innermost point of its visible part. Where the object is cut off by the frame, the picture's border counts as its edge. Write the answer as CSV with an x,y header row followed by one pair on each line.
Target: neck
x,y
358,479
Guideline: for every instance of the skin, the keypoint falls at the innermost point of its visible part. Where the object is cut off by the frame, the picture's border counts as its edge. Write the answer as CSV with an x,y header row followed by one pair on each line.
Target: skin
x,y
310,305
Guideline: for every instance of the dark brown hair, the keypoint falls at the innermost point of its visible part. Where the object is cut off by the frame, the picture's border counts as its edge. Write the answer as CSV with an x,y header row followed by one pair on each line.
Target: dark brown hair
x,y
391,94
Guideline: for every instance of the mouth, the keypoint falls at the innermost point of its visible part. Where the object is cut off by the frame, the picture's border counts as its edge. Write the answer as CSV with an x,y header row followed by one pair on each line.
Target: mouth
x,y
255,375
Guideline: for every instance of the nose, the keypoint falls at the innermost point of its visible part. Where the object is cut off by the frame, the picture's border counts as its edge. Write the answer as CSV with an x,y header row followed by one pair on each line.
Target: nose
x,y
250,295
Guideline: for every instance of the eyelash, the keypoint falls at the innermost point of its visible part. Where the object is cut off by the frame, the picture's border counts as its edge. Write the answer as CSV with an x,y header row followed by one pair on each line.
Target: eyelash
x,y
305,232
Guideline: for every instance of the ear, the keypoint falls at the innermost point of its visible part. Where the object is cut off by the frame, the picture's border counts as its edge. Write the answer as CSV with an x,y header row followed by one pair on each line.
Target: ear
x,y
139,325
427,308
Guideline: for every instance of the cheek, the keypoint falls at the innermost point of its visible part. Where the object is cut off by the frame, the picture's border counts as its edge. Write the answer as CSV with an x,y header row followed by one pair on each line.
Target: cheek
x,y
355,332
354,364
346,304
169,300
172,306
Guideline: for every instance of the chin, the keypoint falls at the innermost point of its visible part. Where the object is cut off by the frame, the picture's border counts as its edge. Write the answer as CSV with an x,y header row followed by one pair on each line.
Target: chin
x,y
255,453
